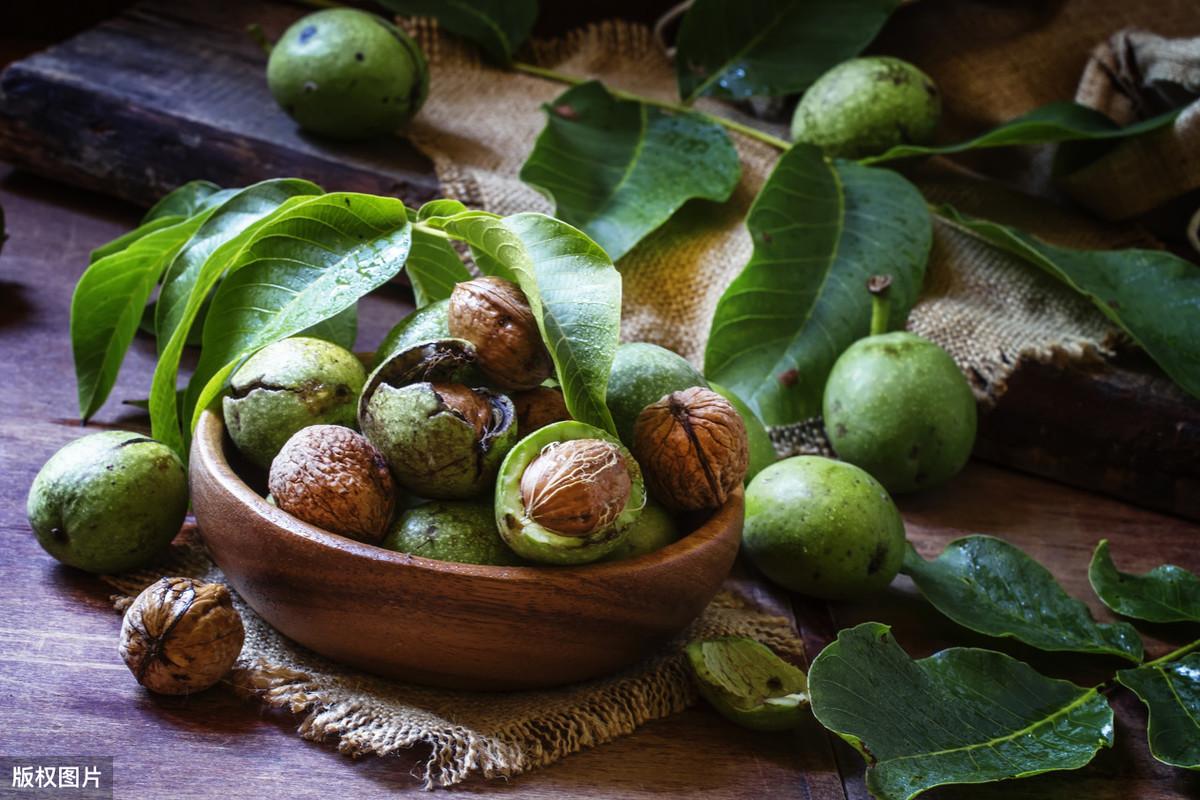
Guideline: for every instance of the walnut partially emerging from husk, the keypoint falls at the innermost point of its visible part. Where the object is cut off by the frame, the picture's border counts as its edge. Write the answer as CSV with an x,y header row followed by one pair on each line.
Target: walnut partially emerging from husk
x,y
332,477
181,635
538,407
692,448
494,315
576,487
474,408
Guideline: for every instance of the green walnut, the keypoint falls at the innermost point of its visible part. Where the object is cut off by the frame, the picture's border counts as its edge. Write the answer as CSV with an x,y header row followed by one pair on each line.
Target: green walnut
x,y
762,451
823,528
108,502
899,407
643,373
442,439
865,106
653,530
290,385
426,324
568,494
748,684
449,530
348,74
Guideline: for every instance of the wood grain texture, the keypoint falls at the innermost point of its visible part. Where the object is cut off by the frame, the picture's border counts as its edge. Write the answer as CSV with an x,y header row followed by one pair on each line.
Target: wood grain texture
x,y
171,92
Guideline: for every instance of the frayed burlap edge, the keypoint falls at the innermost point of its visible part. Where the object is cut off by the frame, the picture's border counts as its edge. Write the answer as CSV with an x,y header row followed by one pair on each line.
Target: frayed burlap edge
x,y
489,735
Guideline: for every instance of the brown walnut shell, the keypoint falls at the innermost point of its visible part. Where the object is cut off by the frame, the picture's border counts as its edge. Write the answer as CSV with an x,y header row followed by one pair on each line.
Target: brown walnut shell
x,y
473,407
576,487
692,448
332,477
537,408
494,315
181,635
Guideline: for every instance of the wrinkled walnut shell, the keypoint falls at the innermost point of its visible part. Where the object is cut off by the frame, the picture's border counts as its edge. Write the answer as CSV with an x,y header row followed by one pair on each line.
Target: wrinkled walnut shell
x,y
494,315
576,487
332,477
537,408
693,449
181,635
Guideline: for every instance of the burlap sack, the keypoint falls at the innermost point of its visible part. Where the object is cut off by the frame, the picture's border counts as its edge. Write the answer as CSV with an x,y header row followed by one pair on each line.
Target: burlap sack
x,y
1132,76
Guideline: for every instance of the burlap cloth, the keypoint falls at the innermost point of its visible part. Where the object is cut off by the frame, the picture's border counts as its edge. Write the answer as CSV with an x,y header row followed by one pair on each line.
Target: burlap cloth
x,y
987,309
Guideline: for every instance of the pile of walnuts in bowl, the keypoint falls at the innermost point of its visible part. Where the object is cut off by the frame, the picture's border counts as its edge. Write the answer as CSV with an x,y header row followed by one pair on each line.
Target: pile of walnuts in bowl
x,y
458,446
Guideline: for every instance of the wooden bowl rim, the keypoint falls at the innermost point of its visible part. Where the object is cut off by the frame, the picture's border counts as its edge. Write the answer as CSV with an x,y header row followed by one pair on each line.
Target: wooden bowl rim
x,y
208,449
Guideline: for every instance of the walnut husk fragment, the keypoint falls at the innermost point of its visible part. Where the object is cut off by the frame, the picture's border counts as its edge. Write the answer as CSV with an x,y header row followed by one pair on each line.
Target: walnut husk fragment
x,y
576,487
333,477
494,315
693,449
181,635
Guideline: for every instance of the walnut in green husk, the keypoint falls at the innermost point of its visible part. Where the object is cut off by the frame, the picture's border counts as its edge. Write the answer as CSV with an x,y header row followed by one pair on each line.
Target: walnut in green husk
x,y
451,530
443,438
748,684
108,502
290,385
181,635
568,494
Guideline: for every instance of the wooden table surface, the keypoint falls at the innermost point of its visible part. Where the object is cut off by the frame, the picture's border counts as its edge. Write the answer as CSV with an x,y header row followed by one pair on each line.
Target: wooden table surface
x,y
64,691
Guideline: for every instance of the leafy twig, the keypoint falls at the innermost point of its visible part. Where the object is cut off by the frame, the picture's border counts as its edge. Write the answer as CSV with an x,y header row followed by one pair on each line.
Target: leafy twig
x,y
574,80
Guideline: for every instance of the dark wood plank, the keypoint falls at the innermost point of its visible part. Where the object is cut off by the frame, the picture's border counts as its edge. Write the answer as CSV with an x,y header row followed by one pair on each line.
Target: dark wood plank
x,y
63,689
170,92
1122,428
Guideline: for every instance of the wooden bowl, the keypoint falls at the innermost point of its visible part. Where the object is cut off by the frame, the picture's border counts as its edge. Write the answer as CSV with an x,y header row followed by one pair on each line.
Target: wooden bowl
x,y
444,624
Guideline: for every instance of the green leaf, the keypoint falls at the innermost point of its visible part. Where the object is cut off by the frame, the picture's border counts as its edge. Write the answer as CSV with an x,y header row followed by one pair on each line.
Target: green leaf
x,y
1171,692
423,325
618,169
124,240
960,716
1164,594
573,290
186,200
1152,295
341,329
442,207
499,27
230,220
433,267
746,48
820,230
306,263
107,306
1056,122
164,417
990,586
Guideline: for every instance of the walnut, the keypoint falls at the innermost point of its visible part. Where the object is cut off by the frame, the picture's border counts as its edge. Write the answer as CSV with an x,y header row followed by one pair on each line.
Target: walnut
x,y
692,446
576,487
494,315
537,408
466,403
332,477
181,635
